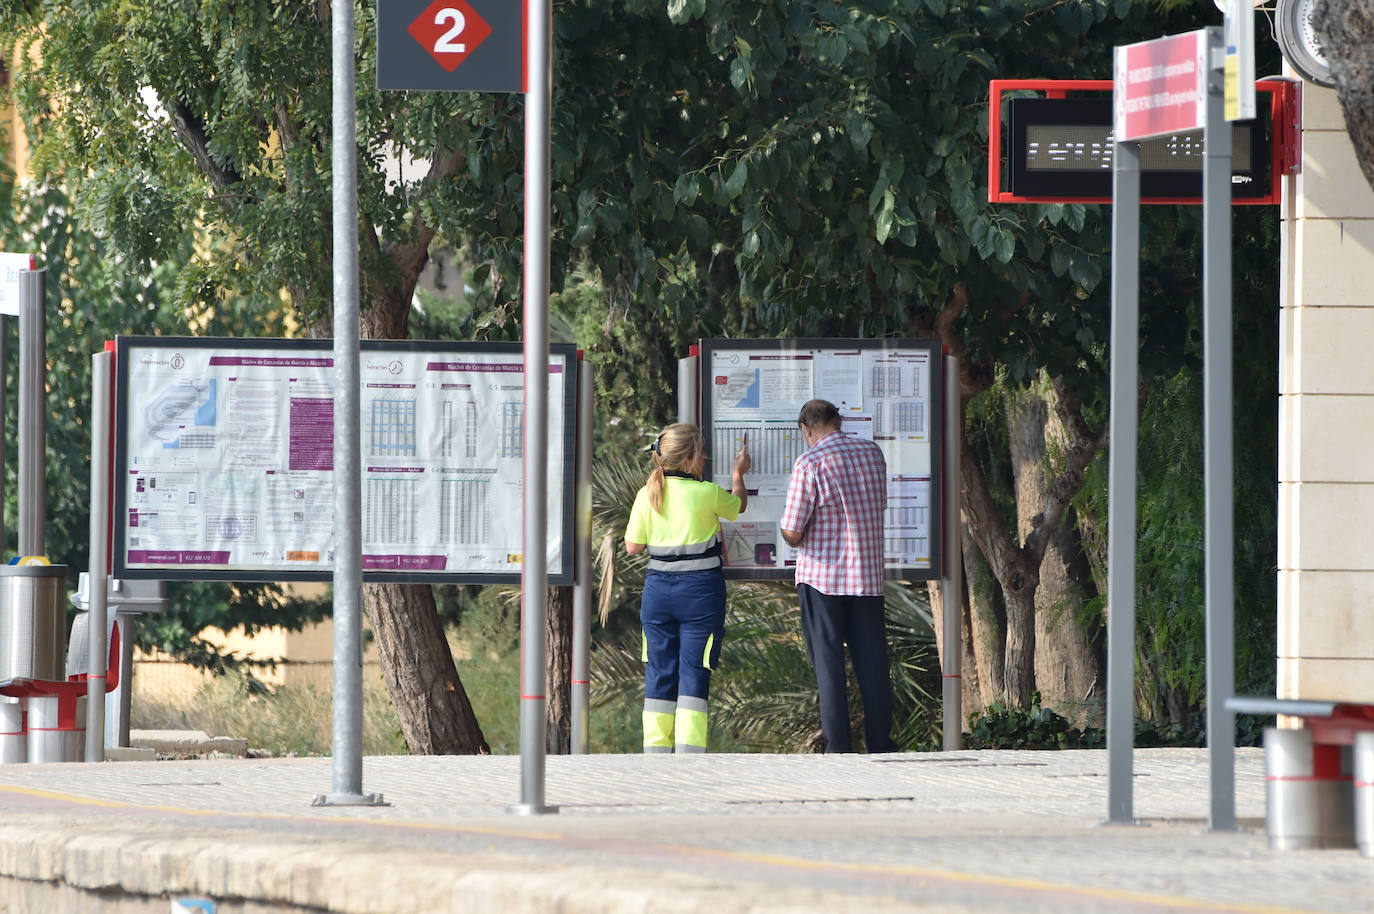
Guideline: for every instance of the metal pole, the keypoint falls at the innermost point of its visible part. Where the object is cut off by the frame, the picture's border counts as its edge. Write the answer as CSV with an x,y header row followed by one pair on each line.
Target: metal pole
x,y
952,586
534,561
688,394
98,649
4,423
1121,491
1216,437
119,702
346,736
32,397
582,557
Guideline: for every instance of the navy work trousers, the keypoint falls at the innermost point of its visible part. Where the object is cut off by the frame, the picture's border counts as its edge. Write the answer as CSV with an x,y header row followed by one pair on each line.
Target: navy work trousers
x,y
683,614
829,622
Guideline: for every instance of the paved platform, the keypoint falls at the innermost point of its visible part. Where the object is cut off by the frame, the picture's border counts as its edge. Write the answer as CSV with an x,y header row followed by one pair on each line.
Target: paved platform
x,y
950,832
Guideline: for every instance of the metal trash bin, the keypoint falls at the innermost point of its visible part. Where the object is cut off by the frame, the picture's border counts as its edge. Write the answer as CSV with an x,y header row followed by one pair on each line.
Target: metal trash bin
x,y
33,621
1364,793
1309,792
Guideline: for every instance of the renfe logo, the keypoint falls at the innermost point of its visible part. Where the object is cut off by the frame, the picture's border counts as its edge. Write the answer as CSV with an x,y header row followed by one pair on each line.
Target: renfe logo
x,y
449,30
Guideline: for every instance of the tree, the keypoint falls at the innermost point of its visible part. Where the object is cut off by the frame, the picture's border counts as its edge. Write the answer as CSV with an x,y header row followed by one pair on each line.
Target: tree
x,y
720,167
811,171
216,115
1345,29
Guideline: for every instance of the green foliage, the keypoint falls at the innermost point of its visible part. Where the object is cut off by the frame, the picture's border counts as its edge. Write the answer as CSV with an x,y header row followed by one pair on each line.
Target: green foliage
x,y
1170,597
94,294
763,694
720,168
1036,727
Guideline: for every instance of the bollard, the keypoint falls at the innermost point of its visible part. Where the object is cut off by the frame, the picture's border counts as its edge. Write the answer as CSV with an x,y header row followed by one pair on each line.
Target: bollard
x,y
1310,795
13,735
1364,793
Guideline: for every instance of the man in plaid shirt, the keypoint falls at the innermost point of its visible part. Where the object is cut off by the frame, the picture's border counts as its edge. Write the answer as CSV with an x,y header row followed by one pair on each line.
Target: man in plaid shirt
x,y
836,497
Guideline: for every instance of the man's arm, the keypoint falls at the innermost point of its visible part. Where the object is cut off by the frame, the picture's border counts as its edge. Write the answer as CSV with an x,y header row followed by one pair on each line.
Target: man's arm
x,y
796,509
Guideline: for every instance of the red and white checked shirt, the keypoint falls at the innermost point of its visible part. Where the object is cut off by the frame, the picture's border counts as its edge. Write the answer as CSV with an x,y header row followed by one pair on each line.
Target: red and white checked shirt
x,y
836,497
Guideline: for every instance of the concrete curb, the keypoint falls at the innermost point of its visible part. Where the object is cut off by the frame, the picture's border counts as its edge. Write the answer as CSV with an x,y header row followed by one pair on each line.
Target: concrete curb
x,y
345,880
187,743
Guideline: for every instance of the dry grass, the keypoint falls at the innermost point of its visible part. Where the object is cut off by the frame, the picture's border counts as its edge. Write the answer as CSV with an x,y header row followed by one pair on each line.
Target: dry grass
x,y
292,720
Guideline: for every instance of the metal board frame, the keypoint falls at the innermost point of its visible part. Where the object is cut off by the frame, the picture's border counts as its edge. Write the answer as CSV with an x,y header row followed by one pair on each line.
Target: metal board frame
x,y
564,354
934,440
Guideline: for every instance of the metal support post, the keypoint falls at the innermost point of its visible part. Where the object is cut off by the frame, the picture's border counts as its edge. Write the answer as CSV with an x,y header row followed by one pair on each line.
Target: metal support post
x,y
1216,435
582,558
32,411
4,423
1121,491
534,559
346,736
952,585
98,650
688,390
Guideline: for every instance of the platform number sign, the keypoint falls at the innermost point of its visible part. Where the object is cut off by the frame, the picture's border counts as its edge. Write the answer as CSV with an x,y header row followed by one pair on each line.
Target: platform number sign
x,y
453,45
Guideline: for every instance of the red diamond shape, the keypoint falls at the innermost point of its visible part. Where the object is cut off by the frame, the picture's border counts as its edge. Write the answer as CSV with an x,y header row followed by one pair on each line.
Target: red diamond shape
x,y
449,30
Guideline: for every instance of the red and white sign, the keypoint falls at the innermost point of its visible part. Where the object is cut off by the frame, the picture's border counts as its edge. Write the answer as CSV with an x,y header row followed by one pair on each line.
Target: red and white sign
x,y
1160,86
449,30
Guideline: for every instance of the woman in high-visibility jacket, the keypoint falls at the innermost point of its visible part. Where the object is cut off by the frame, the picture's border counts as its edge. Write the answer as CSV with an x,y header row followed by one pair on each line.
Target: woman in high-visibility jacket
x,y
676,516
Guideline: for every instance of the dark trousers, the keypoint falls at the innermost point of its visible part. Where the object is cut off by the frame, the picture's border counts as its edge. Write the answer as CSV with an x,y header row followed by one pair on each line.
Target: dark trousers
x,y
683,614
828,624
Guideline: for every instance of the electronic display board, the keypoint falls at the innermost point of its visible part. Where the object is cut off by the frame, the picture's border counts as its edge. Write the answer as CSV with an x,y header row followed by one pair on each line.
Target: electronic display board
x,y
1063,146
889,391
224,452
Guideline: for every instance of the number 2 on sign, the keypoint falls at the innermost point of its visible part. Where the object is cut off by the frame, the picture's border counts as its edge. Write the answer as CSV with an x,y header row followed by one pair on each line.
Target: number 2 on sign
x,y
448,43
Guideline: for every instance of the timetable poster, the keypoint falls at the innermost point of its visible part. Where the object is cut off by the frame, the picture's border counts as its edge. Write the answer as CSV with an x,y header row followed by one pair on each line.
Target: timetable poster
x,y
225,460
887,391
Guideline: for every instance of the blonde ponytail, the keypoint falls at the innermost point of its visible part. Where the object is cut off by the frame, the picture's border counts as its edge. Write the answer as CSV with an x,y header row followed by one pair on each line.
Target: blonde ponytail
x,y
655,485
678,447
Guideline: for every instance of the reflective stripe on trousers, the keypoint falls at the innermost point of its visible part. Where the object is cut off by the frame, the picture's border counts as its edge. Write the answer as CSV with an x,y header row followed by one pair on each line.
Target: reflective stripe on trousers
x,y
679,726
691,724
658,725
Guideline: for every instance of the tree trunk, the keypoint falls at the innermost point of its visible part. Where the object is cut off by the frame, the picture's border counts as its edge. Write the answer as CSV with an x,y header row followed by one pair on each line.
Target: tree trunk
x,y
558,651
1066,663
1014,561
970,698
971,684
1017,573
435,714
1345,29
987,627
1068,660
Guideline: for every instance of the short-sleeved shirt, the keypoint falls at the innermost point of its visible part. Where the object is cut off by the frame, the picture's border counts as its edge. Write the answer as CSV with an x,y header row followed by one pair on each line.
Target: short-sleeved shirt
x,y
836,497
686,536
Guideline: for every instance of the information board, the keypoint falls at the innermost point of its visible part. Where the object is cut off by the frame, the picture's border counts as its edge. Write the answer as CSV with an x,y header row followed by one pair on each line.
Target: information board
x,y
224,453
888,391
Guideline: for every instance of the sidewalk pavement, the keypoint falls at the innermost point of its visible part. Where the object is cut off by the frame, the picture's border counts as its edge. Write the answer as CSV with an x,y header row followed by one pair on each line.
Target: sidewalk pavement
x,y
942,832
